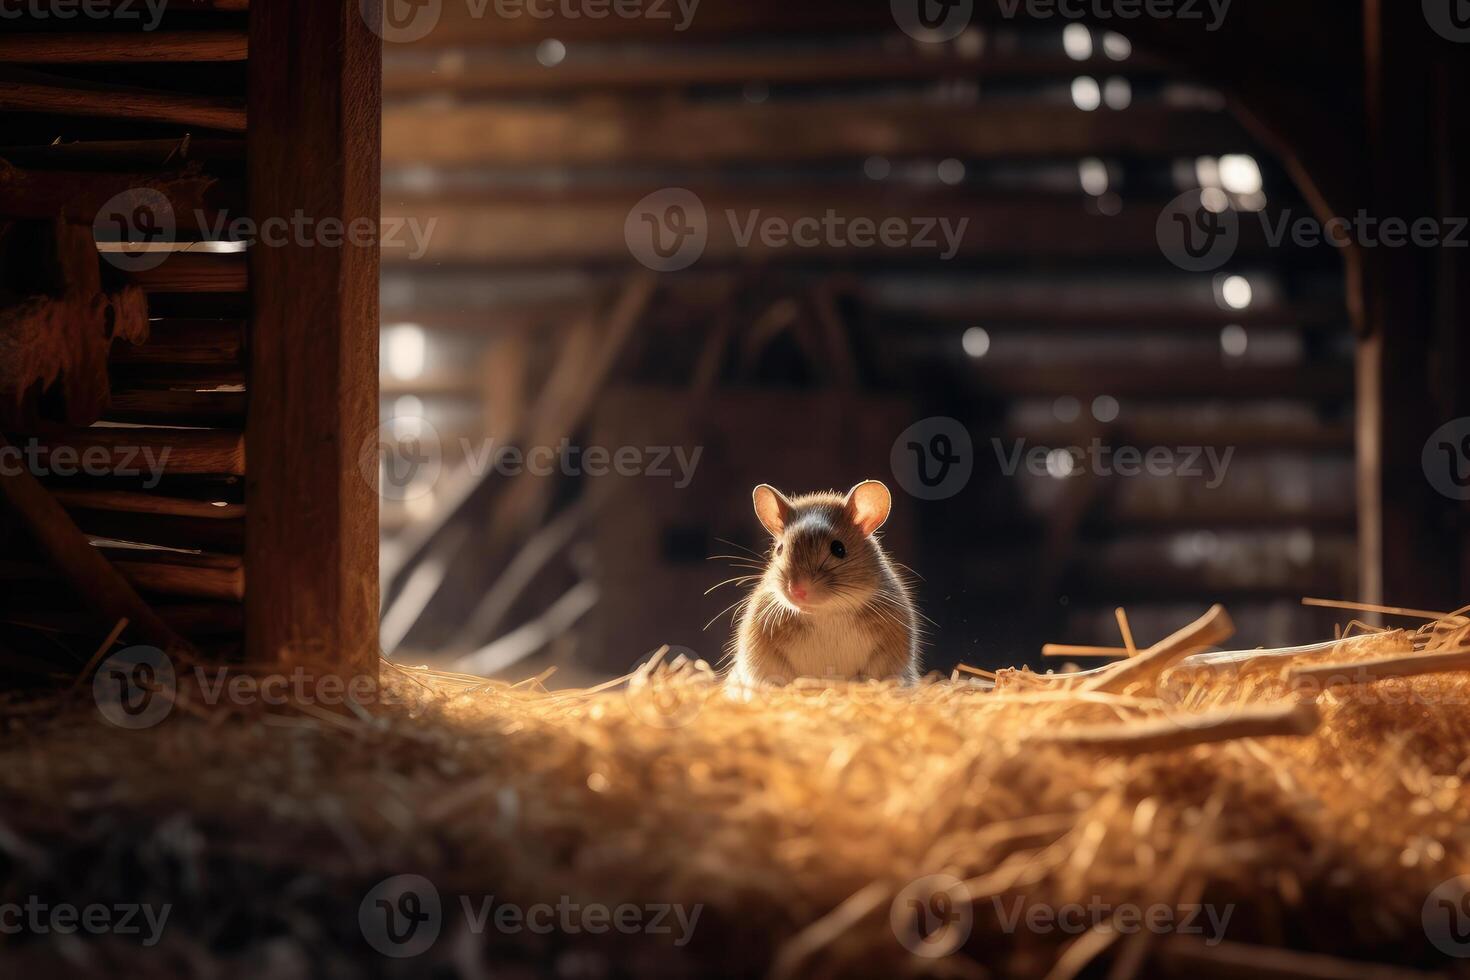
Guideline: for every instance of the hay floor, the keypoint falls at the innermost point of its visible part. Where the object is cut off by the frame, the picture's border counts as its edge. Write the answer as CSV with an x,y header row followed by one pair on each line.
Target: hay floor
x,y
809,825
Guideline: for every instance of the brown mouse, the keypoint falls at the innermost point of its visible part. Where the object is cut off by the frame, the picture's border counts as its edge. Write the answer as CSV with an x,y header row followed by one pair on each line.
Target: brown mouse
x,y
830,603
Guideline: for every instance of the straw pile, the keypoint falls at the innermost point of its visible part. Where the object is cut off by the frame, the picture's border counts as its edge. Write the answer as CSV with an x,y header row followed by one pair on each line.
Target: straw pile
x,y
859,831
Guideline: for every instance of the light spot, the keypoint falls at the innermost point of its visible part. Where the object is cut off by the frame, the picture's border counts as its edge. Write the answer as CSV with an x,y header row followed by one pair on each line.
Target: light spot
x,y
407,351
1077,40
976,342
551,52
1105,408
1085,93
1234,340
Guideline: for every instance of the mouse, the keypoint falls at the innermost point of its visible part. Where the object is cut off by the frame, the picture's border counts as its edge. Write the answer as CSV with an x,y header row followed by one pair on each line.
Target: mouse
x,y
830,603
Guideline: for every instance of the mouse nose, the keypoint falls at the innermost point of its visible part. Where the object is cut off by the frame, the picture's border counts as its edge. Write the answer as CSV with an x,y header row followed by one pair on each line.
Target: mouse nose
x,y
796,588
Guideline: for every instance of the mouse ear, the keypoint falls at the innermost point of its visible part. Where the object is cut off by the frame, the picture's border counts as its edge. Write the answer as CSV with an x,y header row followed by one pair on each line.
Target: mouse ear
x,y
867,505
773,509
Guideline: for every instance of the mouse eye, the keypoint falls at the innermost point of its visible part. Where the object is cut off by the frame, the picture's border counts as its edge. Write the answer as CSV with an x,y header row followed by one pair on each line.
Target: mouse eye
x,y
839,550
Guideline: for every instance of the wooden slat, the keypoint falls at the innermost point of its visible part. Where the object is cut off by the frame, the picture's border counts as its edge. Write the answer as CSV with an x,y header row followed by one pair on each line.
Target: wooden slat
x,y
506,134
1179,380
315,77
681,65
124,48
162,406
64,97
201,576
128,502
164,530
177,452
196,272
194,343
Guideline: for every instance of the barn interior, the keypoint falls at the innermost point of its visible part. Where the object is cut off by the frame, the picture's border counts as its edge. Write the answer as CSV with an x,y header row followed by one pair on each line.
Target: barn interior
x,y
383,386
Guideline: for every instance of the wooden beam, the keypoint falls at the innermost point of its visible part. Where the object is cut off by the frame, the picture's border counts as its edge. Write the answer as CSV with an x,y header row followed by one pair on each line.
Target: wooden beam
x,y
676,65
315,76
183,407
506,134
1404,520
919,226
519,22
1179,381
133,47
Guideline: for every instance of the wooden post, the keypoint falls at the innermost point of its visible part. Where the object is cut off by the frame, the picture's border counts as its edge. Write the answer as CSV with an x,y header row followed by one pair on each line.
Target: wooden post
x,y
311,550
1406,526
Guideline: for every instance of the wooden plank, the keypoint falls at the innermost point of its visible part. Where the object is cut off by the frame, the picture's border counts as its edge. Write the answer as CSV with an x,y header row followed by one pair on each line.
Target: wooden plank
x,y
174,573
518,22
164,406
805,221
603,132
175,452
140,47
680,65
315,73
163,530
197,272
185,342
128,502
1179,381
65,97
